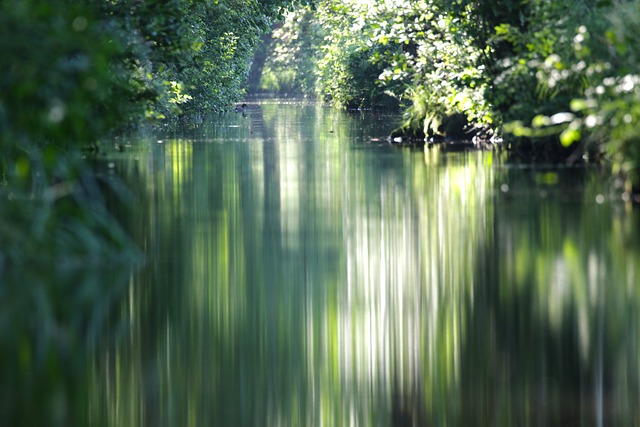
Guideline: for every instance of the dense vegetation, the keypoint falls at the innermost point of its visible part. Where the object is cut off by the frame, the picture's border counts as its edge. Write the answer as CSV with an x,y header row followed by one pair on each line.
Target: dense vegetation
x,y
556,79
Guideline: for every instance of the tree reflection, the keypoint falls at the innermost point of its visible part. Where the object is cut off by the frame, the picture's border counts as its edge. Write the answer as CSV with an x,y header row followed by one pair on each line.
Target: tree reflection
x,y
299,274
553,317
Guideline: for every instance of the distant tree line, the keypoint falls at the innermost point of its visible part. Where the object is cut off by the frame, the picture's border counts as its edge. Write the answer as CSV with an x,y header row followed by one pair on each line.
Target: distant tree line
x,y
558,80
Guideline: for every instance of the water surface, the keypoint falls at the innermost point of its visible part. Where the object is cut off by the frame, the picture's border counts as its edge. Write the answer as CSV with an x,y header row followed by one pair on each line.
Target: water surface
x,y
301,272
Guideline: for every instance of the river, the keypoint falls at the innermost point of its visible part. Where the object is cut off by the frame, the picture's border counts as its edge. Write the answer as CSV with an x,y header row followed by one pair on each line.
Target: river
x,y
301,271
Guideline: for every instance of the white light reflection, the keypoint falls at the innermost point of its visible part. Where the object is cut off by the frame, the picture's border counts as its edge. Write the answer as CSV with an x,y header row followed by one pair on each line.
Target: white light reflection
x,y
409,266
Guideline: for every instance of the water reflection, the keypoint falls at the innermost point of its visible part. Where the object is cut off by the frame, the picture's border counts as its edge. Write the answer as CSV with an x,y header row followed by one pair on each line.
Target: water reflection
x,y
64,267
300,273
561,300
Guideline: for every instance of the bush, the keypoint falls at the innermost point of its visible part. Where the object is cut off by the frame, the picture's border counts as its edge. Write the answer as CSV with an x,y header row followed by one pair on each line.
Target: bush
x,y
58,84
587,90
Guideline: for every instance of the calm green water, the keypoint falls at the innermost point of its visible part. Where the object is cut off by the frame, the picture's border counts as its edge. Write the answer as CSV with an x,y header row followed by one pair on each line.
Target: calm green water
x,y
300,273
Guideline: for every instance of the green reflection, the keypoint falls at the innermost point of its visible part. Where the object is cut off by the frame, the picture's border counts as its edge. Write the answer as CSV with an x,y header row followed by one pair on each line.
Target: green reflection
x,y
64,267
301,273
560,299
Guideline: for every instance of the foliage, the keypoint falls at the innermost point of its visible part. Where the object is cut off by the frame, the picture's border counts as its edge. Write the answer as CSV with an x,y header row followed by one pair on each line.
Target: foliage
x,y
289,66
558,78
345,69
532,76
610,109
314,52
223,37
64,259
432,61
75,70
588,90
64,265
189,56
58,83
413,52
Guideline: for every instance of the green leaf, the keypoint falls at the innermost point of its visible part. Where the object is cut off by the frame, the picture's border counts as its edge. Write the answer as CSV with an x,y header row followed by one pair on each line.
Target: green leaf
x,y
582,104
569,136
540,121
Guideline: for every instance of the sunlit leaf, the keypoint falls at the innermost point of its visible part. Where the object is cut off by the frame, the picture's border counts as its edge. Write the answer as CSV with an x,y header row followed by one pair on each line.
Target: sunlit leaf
x,y
569,136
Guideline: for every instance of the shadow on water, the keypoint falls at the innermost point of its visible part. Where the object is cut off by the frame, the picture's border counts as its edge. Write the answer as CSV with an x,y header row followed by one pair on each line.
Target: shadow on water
x,y
301,272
